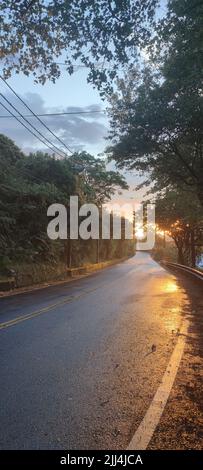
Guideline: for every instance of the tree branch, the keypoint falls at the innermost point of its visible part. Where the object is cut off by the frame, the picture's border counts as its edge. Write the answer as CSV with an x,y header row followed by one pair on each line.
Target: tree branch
x,y
191,171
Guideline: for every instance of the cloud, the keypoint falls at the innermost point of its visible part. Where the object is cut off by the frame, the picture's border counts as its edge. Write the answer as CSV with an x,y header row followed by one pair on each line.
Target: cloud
x,y
77,131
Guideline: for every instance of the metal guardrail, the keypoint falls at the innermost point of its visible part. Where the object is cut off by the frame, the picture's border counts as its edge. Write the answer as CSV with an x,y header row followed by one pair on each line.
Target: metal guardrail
x,y
186,269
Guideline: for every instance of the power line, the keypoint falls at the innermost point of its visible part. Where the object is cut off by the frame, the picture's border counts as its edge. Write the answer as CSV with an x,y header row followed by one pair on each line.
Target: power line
x,y
24,125
97,65
80,66
37,117
33,127
60,114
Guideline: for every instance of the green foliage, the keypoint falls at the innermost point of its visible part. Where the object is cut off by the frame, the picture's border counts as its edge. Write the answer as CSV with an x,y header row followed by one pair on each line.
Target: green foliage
x,y
97,184
35,34
159,132
180,40
29,185
180,215
157,113
168,253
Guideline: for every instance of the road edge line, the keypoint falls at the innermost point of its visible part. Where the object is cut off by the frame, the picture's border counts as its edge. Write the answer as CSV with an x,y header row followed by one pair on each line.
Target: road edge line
x,y
147,427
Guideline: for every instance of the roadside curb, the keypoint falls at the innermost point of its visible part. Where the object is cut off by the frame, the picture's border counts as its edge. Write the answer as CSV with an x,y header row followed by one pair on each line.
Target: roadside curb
x,y
89,268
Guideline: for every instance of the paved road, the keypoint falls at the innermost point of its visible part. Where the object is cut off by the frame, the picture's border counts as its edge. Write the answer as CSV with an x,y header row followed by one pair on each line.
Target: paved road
x,y
77,368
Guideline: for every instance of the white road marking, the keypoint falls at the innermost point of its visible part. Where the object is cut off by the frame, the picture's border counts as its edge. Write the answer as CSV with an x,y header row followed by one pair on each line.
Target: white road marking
x,y
146,429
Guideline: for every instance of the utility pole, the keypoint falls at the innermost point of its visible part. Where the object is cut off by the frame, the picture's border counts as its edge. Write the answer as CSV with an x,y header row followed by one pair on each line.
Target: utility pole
x,y
134,231
98,240
134,216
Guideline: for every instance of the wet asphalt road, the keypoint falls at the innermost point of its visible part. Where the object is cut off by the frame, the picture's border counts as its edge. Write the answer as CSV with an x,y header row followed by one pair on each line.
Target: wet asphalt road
x,y
81,373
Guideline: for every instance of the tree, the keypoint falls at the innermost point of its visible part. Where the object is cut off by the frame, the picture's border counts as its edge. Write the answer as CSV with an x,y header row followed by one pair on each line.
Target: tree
x,y
37,34
9,152
157,114
96,182
179,41
181,217
30,184
158,132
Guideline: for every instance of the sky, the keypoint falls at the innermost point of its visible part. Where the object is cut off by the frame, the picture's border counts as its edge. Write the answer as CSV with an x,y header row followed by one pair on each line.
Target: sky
x,y
87,132
68,94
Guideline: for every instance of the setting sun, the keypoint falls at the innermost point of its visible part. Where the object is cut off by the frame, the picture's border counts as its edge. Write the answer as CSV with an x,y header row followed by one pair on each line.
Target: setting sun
x,y
140,233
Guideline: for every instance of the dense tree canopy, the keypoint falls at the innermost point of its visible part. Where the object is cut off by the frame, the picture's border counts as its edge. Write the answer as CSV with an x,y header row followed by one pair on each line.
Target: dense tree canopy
x,y
157,114
34,34
29,184
180,215
178,44
158,132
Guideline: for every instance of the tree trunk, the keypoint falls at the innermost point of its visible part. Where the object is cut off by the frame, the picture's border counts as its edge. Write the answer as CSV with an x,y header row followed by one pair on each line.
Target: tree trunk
x,y
200,193
180,256
192,247
179,246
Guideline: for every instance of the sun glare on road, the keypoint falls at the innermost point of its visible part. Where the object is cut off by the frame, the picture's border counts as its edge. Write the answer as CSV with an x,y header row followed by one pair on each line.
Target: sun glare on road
x,y
170,287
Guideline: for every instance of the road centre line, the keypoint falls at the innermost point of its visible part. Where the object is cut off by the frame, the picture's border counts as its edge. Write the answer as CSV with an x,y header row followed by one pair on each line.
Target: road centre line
x,y
67,300
36,313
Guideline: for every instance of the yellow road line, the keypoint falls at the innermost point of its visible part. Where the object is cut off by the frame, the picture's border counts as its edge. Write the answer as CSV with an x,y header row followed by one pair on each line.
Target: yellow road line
x,y
21,318
67,300
36,313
